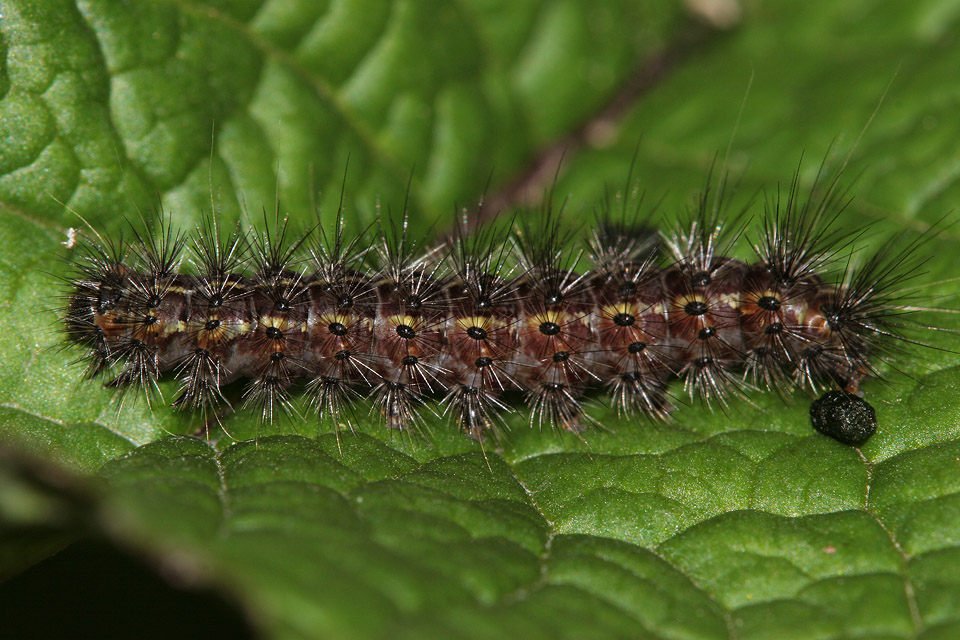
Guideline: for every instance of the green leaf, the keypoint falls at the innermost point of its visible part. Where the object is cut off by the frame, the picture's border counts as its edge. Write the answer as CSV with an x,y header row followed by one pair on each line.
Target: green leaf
x,y
743,523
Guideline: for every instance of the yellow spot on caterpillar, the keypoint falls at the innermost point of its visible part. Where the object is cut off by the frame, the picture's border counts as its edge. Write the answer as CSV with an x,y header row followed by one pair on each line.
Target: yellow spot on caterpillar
x,y
346,319
612,310
556,316
397,320
484,322
683,300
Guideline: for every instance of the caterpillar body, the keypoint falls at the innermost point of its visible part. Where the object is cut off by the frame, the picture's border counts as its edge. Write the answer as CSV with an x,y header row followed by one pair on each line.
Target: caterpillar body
x,y
488,313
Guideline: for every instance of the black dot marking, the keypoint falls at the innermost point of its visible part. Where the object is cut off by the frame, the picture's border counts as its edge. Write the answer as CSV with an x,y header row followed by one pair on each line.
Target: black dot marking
x,y
277,356
844,417
337,329
773,328
553,298
703,362
345,301
630,376
154,302
272,271
552,386
216,301
406,332
274,333
108,297
769,303
483,361
700,279
627,290
549,328
477,333
342,355
467,390
813,351
785,281
706,333
414,303
409,361
561,356
623,319
636,347
203,353
483,303
695,308
211,324
832,316
149,320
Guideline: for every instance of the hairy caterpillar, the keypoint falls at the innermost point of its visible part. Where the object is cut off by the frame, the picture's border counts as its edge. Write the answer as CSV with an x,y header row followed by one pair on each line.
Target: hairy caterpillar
x,y
491,312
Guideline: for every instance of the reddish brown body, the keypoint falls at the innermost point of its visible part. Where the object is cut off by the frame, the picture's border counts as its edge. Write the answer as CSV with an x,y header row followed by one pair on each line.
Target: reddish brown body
x,y
629,330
